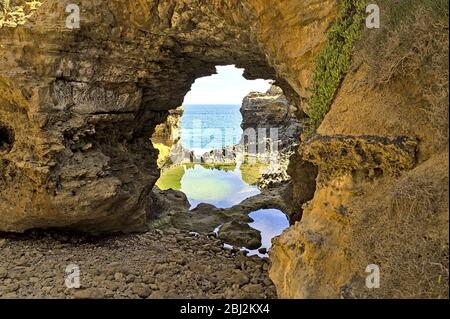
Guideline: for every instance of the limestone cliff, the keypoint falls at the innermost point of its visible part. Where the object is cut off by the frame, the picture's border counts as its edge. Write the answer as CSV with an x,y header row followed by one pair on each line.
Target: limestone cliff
x,y
169,132
166,137
271,110
381,152
271,116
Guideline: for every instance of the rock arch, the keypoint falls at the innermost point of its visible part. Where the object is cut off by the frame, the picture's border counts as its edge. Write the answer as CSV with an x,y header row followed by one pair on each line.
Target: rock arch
x,y
83,102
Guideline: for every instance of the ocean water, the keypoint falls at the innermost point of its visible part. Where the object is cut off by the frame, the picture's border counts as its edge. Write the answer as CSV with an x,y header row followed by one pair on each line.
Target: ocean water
x,y
209,127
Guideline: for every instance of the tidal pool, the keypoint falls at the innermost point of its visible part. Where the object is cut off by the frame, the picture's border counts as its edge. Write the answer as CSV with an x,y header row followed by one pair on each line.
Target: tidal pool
x,y
221,186
271,223
224,187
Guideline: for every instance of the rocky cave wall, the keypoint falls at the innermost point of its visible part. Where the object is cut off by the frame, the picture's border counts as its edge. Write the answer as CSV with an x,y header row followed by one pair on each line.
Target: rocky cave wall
x,y
82,103
381,152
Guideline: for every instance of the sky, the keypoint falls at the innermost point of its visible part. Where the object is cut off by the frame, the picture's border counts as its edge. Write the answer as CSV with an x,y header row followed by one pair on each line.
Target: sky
x,y
226,87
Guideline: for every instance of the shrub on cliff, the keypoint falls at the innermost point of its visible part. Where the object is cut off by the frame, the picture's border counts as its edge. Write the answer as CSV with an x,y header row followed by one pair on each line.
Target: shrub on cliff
x,y
334,61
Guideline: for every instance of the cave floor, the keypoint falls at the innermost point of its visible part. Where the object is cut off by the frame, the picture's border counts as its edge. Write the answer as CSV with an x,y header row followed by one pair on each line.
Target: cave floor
x,y
156,264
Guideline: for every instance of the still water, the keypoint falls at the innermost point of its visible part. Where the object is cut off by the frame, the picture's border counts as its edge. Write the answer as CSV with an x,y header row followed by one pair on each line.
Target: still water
x,y
221,186
225,187
271,223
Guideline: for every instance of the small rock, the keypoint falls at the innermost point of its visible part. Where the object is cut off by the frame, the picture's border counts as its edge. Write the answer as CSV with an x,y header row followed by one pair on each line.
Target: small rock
x,y
141,290
86,147
3,272
157,295
119,276
148,279
241,279
253,288
90,293
130,278
267,282
153,287
112,285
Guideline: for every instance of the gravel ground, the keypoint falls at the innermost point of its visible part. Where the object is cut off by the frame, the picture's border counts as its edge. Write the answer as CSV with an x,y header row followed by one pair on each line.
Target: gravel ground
x,y
170,264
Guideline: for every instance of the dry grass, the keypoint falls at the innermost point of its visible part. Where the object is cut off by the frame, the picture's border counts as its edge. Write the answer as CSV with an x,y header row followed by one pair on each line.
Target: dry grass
x,y
412,44
410,241
418,43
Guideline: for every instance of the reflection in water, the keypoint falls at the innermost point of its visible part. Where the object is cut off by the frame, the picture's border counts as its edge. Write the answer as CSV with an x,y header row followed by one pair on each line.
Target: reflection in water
x,y
221,186
224,187
271,223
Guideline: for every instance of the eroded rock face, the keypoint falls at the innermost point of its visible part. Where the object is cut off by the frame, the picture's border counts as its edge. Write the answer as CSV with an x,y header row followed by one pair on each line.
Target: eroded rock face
x,y
263,112
381,192
271,116
82,103
373,155
346,166
174,210
168,133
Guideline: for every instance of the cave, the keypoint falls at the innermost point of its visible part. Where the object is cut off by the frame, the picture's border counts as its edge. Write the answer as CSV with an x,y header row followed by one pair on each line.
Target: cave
x,y
84,103
105,106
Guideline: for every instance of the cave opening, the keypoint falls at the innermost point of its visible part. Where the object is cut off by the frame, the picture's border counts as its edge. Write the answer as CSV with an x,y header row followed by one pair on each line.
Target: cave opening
x,y
227,148
198,141
6,138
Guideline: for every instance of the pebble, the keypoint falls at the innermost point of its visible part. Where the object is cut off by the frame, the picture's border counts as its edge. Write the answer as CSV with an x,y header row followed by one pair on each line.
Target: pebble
x,y
149,265
262,251
141,290
119,276
3,272
91,293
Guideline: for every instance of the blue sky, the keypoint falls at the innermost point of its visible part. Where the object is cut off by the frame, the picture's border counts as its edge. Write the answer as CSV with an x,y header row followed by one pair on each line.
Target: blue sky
x,y
226,87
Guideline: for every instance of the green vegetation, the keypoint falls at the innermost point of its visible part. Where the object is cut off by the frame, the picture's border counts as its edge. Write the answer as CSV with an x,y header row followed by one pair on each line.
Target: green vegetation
x,y
252,172
171,179
334,60
394,13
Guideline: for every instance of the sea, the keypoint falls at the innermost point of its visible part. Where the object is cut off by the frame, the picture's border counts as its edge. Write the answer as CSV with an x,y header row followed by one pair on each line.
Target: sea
x,y
210,127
